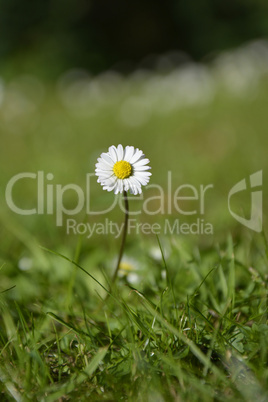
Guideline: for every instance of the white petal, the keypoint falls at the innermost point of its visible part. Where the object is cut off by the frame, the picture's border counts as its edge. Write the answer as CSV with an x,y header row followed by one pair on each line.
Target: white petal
x,y
109,188
137,155
132,190
129,186
142,180
136,189
129,151
116,190
120,152
126,184
104,166
113,153
107,180
141,162
107,159
141,168
121,186
104,179
134,181
101,172
104,174
143,174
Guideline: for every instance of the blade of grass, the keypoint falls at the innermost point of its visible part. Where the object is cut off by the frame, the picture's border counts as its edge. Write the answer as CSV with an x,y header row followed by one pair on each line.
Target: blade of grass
x,y
169,282
78,266
194,349
70,326
6,290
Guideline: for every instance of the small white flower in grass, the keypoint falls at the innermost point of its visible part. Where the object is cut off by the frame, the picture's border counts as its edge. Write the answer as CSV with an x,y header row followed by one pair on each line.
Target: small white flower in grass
x,y
119,170
122,169
128,269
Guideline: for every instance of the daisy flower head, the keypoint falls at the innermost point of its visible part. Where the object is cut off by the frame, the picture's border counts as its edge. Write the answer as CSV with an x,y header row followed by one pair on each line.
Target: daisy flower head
x,y
122,169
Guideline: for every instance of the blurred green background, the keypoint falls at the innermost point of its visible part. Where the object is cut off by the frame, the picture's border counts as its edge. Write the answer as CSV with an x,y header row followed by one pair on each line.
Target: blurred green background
x,y
47,37
185,82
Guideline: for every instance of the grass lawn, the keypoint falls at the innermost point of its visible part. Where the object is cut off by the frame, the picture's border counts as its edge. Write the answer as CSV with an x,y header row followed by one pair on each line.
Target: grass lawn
x,y
187,317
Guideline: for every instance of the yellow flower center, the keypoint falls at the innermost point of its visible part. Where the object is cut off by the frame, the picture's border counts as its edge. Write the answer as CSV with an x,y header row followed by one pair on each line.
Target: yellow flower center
x,y
122,169
125,267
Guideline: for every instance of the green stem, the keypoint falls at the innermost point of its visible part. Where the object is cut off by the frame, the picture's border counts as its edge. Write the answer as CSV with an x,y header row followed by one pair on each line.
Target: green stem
x,y
123,238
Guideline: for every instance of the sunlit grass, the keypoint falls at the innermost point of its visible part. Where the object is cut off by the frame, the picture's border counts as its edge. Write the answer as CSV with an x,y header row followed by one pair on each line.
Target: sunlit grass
x,y
203,336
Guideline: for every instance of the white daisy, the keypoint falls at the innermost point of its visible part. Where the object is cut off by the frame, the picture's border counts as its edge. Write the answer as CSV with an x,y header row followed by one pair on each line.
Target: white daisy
x,y
122,169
